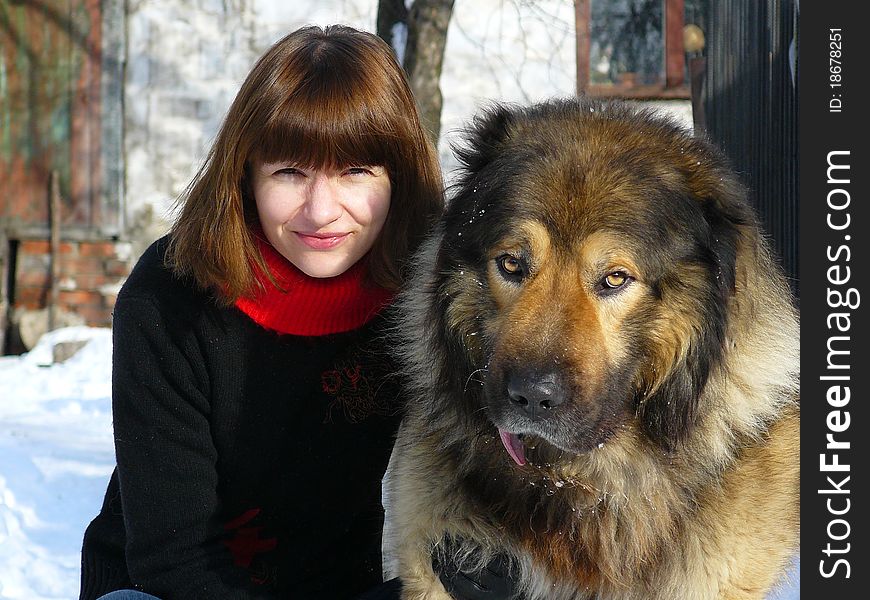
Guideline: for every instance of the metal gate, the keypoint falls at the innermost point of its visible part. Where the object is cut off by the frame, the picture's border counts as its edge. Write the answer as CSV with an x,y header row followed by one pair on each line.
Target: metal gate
x,y
750,109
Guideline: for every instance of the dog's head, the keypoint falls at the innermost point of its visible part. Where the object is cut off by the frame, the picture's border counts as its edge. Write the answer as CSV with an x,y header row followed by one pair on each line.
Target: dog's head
x,y
588,258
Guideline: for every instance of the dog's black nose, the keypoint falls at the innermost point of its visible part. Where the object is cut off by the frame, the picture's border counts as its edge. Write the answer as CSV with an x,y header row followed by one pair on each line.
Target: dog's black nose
x,y
537,395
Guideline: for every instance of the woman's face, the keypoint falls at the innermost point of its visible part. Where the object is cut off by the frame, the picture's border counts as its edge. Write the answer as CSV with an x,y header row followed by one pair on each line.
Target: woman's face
x,y
321,220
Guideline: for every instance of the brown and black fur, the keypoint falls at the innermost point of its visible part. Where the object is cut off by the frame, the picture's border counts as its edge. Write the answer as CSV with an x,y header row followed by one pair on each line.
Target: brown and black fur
x,y
670,470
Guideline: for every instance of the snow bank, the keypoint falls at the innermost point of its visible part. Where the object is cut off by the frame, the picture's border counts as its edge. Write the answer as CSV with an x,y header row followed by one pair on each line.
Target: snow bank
x,y
56,455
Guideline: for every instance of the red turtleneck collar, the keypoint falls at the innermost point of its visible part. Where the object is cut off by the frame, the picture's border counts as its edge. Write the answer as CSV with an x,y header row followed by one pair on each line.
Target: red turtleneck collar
x,y
309,305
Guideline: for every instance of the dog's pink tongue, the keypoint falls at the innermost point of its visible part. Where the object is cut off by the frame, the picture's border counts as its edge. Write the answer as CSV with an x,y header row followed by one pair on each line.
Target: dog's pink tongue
x,y
514,446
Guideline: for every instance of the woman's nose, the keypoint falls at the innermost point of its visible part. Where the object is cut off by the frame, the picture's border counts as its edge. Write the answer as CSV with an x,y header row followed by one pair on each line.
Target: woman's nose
x,y
323,204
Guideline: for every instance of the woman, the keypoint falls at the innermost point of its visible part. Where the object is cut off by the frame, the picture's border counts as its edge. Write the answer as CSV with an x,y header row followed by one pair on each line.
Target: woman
x,y
254,409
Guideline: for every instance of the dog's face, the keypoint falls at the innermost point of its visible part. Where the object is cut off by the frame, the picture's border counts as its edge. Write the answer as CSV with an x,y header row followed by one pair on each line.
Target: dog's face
x,y
566,333
588,258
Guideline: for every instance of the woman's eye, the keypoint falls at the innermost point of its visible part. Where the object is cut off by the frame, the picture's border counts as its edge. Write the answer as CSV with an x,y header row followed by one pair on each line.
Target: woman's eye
x,y
511,267
289,171
359,171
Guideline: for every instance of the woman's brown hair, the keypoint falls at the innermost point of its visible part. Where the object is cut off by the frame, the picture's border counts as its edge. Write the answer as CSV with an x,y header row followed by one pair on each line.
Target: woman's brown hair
x,y
330,97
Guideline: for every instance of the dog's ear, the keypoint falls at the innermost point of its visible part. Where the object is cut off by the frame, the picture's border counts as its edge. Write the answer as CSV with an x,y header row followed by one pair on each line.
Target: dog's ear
x,y
725,206
697,297
484,137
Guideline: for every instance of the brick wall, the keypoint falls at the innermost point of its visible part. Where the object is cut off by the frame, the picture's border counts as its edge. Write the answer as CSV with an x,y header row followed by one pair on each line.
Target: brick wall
x,y
91,273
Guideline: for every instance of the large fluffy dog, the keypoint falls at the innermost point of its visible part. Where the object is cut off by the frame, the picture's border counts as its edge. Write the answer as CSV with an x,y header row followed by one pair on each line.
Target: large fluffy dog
x,y
602,360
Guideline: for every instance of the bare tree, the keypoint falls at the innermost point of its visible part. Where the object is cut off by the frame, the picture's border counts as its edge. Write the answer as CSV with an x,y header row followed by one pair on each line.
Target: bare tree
x,y
422,26
393,24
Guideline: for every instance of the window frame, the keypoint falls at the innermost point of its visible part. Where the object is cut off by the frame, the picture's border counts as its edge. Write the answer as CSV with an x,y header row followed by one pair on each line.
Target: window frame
x,y
675,85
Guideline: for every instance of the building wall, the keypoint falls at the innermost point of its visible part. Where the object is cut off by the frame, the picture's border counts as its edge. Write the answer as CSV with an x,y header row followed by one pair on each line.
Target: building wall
x,y
60,158
50,114
92,272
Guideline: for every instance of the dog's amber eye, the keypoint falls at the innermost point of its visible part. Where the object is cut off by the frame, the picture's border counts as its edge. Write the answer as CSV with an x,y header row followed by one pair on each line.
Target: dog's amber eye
x,y
614,283
511,266
615,280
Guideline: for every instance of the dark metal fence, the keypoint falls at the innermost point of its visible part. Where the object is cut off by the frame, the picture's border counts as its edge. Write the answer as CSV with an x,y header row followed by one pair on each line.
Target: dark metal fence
x,y
750,109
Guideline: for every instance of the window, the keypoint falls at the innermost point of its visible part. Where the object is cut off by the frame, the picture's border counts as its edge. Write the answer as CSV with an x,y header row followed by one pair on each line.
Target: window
x,y
634,48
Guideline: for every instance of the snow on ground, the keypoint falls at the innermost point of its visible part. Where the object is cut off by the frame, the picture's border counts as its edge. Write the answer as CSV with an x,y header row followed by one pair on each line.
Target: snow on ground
x,y
56,455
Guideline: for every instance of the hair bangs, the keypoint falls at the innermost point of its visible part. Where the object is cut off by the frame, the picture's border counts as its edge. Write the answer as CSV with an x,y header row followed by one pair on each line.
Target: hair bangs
x,y
332,126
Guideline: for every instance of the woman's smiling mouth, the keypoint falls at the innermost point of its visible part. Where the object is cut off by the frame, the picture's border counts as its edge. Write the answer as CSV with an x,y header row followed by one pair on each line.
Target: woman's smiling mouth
x,y
322,241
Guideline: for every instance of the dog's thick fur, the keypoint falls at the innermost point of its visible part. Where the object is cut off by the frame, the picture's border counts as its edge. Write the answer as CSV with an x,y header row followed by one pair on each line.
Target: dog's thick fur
x,y
602,266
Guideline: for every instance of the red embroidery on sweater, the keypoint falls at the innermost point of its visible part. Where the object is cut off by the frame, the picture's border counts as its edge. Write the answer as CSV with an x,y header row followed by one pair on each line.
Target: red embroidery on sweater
x,y
246,542
354,397
353,375
330,381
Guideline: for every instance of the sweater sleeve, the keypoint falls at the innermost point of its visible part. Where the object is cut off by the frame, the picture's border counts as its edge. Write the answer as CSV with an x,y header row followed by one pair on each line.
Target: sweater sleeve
x,y
167,460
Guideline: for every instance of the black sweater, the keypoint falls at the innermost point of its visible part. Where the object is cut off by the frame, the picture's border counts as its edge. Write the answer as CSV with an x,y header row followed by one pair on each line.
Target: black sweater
x,y
249,463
